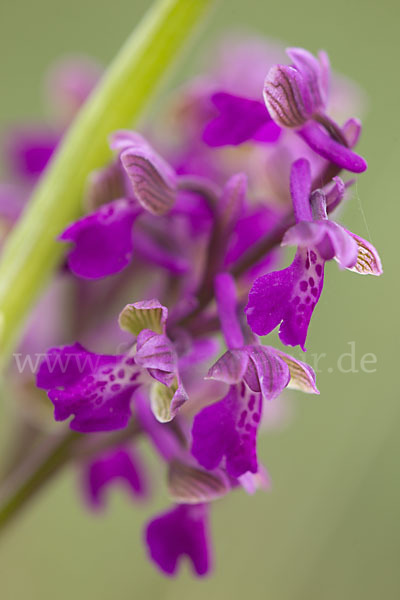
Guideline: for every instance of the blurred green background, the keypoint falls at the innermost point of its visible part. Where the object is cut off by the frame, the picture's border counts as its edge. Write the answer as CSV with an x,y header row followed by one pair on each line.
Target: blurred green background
x,y
330,527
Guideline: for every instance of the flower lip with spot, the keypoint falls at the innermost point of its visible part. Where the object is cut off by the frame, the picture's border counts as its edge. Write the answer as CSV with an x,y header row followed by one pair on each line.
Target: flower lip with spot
x,y
288,297
97,389
226,431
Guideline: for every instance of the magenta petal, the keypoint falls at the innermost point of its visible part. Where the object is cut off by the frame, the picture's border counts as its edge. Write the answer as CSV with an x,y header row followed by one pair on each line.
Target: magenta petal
x,y
331,240
230,367
314,72
352,131
300,189
95,389
103,240
320,141
287,297
182,531
156,353
240,120
228,429
64,366
335,193
268,133
305,234
267,372
225,294
179,398
117,465
344,247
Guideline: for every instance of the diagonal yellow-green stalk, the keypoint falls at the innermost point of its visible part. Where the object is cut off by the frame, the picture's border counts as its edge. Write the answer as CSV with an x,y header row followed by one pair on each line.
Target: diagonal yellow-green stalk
x,y
32,253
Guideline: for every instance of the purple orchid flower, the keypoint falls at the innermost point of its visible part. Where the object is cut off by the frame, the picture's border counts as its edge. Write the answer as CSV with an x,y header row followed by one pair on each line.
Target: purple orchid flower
x,y
97,389
290,296
296,97
140,184
29,150
227,430
181,221
182,531
116,465
141,180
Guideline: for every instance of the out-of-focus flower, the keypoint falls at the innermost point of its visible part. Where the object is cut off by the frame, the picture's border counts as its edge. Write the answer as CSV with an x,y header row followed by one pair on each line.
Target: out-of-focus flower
x,y
29,148
182,531
239,120
120,465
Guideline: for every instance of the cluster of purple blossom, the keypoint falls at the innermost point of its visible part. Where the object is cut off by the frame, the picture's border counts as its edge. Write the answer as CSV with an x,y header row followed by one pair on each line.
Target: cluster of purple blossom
x,y
185,227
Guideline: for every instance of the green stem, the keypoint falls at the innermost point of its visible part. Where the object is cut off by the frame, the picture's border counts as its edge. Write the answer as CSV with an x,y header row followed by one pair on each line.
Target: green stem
x,y
51,456
26,485
31,253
